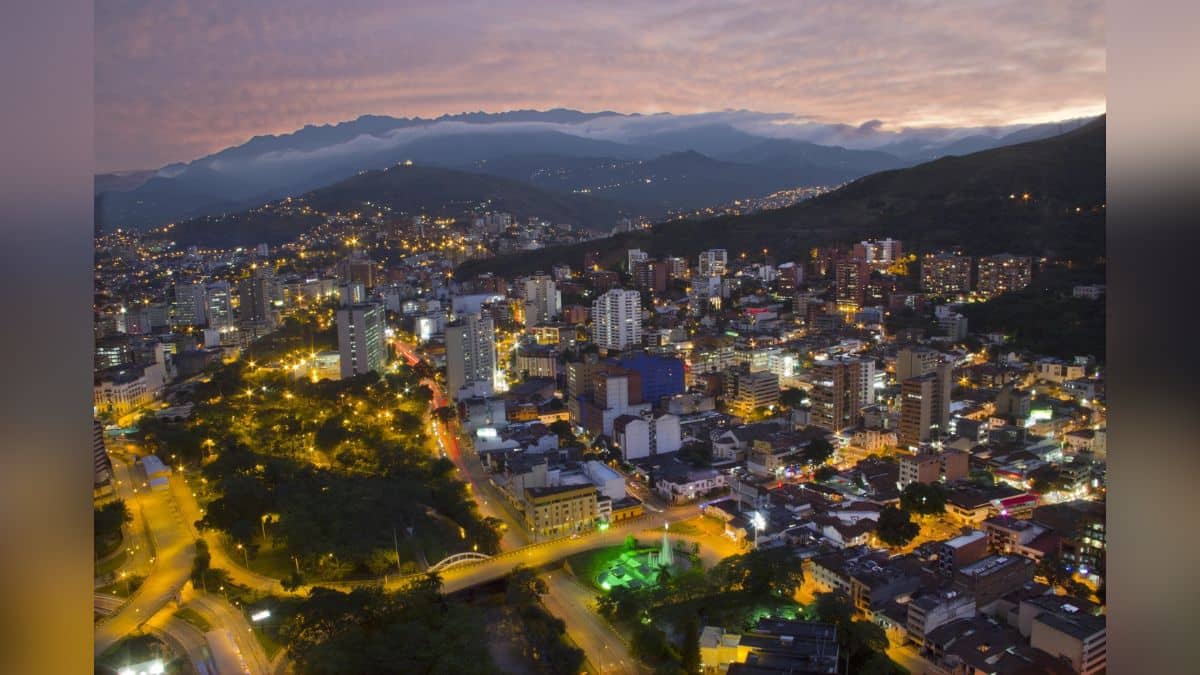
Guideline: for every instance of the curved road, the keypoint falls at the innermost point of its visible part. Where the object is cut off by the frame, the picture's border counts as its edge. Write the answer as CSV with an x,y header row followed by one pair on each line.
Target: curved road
x,y
172,566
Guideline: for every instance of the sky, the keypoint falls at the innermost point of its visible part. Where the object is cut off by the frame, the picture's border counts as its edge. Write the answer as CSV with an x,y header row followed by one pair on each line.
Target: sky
x,y
179,79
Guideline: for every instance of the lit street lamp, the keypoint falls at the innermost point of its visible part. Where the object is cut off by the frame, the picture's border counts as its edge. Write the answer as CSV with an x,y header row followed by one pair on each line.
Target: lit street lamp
x,y
245,555
759,523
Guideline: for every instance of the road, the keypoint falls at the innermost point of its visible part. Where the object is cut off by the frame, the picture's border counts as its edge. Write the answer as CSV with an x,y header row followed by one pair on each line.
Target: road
x,y
183,637
571,601
220,613
139,550
908,657
174,549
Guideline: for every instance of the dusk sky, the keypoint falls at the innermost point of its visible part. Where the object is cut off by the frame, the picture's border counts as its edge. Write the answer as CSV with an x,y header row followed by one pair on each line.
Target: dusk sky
x,y
177,79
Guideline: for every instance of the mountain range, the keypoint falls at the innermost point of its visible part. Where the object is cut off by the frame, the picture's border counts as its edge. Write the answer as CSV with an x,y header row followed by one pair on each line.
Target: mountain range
x,y
652,164
1041,198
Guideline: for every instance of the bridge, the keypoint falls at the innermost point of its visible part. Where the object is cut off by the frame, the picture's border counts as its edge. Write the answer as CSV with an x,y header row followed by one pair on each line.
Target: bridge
x,y
466,558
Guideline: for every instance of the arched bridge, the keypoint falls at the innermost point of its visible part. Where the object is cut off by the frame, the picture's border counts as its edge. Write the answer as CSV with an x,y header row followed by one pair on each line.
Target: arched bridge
x,y
459,559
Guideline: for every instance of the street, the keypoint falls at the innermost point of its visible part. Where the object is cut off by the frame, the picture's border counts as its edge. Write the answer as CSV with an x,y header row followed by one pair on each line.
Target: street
x,y
173,545
570,600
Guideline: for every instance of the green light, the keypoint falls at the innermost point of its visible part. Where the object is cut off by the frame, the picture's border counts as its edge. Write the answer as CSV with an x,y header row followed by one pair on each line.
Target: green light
x,y
605,586
603,525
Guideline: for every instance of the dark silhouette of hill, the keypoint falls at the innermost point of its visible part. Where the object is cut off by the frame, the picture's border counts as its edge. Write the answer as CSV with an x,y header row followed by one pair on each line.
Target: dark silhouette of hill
x,y
406,190
1045,197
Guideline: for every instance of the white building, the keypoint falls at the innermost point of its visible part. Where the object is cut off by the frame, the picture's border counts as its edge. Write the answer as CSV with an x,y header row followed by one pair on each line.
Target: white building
x,y
617,319
471,356
714,262
543,300
608,482
361,342
646,434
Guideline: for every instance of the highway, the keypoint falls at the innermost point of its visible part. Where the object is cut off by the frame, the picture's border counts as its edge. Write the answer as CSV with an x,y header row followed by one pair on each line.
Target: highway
x,y
172,565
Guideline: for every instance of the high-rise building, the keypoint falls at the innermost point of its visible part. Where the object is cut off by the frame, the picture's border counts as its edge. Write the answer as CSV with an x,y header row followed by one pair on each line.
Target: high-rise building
x,y
617,319
945,274
113,351
747,391
471,356
189,304
357,268
657,275
914,361
361,342
102,469
925,405
851,277
714,262
633,257
257,294
1003,273
678,268
841,389
219,305
543,300
878,253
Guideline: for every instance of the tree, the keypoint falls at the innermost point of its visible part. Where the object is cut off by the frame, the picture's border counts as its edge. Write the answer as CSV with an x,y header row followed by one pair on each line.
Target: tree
x,y
824,473
896,527
200,563
792,398
817,452
689,652
444,414
1051,568
524,587
923,498
562,429
107,523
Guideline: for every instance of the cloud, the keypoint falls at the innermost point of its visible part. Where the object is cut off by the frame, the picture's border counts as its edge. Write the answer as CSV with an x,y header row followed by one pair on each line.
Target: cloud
x,y
176,80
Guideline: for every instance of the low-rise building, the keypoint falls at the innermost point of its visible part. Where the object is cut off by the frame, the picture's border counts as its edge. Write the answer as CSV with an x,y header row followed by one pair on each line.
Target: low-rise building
x,y
557,511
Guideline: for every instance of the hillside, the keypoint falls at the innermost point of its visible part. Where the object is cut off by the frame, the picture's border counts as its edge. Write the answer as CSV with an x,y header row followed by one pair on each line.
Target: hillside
x,y
404,189
677,181
976,201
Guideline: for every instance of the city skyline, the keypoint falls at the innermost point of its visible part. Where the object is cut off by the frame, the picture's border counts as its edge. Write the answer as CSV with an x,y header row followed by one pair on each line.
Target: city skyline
x,y
228,74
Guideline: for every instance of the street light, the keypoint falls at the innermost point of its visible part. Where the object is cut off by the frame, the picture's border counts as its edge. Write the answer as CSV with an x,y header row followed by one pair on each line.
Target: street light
x,y
759,523
245,554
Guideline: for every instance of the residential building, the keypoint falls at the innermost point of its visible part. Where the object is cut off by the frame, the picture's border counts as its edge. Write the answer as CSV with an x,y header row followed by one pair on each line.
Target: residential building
x,y
1080,638
471,356
751,390
189,304
1014,536
850,281
1002,273
1058,371
878,254
102,470
925,406
945,274
841,389
713,263
1089,292
219,305
933,610
543,300
992,578
361,341
617,319
646,434
533,360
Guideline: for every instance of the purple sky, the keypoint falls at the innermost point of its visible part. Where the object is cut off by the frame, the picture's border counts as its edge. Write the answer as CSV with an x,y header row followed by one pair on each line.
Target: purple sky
x,y
177,79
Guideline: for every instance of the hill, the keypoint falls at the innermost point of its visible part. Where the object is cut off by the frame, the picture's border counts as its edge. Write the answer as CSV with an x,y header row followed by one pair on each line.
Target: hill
x,y
404,189
1045,197
677,181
